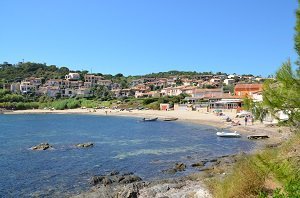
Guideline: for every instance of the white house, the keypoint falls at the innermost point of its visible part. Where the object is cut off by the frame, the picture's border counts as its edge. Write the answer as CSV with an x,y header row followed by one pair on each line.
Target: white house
x,y
229,81
72,76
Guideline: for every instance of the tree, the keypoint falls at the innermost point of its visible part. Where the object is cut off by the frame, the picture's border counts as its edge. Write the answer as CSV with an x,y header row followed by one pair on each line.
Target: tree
x,y
283,93
297,37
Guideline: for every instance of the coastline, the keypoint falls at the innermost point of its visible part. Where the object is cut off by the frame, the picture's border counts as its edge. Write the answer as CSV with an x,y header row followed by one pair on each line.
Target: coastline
x,y
276,134
192,184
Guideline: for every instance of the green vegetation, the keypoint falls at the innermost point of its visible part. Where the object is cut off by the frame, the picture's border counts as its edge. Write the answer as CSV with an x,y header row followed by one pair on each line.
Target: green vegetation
x,y
274,172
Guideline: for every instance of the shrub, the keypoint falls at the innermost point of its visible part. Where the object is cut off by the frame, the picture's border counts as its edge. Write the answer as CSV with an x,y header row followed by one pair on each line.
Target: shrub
x,y
73,104
149,100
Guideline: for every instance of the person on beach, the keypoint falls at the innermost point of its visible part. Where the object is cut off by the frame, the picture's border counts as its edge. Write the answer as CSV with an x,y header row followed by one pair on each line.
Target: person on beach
x,y
252,120
246,119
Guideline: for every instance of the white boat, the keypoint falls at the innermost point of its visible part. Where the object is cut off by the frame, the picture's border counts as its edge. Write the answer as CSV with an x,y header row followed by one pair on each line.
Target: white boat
x,y
228,134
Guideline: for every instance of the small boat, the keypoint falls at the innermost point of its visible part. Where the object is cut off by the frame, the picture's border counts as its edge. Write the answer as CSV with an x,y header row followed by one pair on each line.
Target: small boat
x,y
149,119
228,134
170,119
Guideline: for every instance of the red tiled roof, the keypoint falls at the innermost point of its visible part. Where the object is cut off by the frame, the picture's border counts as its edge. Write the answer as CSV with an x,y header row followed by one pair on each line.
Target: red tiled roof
x,y
246,87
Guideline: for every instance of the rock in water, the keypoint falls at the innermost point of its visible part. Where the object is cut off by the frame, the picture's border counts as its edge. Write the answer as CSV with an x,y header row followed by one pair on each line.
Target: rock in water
x,y
180,166
114,179
176,168
84,145
41,147
198,164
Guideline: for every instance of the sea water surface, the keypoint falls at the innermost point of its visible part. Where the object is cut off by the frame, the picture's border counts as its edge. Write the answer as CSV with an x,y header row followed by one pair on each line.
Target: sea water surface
x,y
121,144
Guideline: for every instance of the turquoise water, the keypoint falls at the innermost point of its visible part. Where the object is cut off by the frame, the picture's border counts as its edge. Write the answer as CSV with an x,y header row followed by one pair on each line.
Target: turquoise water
x,y
121,144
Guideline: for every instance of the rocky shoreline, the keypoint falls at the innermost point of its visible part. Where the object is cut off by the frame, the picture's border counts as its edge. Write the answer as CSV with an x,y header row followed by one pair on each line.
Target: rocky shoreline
x,y
128,185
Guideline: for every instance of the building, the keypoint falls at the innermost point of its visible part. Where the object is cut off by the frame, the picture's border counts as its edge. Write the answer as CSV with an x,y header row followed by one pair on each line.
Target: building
x,y
72,76
246,90
229,81
92,79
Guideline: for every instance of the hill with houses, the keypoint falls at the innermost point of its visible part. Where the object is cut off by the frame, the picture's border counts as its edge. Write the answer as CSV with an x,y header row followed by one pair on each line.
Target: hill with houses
x,y
220,89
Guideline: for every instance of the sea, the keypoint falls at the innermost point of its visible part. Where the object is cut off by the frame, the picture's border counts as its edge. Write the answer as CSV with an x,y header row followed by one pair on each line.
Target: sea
x,y
123,144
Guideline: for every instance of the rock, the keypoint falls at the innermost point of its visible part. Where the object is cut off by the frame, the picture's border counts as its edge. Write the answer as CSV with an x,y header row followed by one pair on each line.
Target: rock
x,y
106,181
180,166
41,147
84,145
198,164
114,178
114,173
96,179
129,179
176,168
213,160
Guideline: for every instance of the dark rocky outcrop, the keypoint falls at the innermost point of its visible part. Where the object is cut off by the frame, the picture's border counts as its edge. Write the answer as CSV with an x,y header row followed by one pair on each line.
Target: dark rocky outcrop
x,y
114,178
84,145
41,147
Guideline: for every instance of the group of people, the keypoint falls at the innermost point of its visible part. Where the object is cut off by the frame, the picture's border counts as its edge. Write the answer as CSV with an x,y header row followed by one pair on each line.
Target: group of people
x,y
248,119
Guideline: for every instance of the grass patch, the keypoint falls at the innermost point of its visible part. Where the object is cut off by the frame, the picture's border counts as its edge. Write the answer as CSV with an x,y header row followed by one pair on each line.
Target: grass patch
x,y
273,172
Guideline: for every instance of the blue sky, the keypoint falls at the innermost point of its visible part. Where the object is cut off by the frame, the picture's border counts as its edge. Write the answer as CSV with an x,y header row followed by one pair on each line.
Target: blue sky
x,y
138,36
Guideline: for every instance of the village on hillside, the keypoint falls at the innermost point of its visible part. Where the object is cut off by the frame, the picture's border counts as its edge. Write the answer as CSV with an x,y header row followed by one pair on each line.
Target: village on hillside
x,y
221,91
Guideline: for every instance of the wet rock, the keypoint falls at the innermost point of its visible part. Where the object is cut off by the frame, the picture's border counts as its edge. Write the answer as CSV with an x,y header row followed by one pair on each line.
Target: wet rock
x,y
176,168
213,160
41,147
114,178
198,164
180,166
84,145
114,173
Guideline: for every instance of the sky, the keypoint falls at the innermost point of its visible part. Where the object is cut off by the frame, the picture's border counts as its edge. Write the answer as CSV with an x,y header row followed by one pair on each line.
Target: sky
x,y
144,36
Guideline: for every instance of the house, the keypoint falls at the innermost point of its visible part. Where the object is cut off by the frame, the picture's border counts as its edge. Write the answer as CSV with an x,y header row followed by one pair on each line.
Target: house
x,y
172,91
207,93
215,80
69,92
106,83
72,76
119,93
229,81
246,90
257,96
27,87
51,91
134,83
92,78
141,94
83,92
56,82
15,87
34,81
164,107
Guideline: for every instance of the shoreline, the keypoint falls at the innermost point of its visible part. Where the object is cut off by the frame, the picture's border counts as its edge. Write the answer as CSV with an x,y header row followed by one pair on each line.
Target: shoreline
x,y
276,134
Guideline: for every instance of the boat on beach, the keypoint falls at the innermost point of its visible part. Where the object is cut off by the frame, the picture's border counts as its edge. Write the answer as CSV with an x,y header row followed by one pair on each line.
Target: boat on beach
x,y
228,134
170,119
149,119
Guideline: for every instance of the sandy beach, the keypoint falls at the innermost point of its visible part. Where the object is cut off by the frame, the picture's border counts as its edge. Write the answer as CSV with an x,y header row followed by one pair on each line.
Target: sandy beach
x,y
276,134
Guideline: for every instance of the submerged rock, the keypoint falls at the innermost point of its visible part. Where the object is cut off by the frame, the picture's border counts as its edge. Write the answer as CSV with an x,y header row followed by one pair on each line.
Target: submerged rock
x,y
178,167
84,145
41,147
